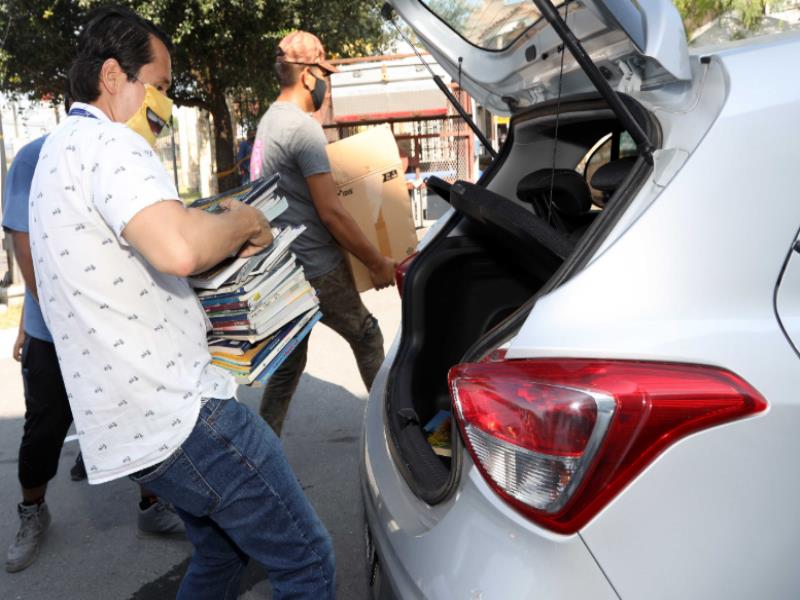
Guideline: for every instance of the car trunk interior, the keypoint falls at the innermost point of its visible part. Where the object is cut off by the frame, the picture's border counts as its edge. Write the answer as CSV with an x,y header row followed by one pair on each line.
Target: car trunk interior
x,y
507,241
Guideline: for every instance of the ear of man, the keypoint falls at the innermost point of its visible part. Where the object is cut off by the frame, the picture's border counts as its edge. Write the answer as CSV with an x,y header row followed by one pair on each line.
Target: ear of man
x,y
110,74
288,74
309,81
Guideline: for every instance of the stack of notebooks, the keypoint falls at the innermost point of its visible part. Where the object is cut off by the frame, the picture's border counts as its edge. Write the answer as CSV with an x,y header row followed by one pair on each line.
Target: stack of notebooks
x,y
260,308
259,193
437,432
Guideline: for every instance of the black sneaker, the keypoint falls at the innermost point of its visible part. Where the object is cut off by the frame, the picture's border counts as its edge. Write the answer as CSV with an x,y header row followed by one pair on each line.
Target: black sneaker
x,y
78,470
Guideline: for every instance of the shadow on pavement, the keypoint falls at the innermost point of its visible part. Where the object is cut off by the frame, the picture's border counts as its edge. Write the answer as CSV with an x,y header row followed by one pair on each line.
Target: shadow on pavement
x,y
91,550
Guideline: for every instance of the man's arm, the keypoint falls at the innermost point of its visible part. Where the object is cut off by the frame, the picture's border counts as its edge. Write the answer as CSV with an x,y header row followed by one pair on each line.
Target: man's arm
x,y
181,241
22,252
346,231
16,352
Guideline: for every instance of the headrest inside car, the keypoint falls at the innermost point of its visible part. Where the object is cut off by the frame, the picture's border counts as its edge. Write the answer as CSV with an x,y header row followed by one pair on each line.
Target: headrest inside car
x,y
571,194
609,177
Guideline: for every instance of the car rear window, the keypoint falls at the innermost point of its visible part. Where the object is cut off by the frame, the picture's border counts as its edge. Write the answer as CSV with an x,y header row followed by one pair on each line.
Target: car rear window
x,y
488,24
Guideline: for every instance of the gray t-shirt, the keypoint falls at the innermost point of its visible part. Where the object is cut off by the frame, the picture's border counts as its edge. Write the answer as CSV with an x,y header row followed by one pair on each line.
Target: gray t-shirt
x,y
292,143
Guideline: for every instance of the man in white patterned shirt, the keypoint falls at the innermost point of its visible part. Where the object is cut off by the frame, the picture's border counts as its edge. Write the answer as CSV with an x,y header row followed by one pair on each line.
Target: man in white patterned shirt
x,y
112,248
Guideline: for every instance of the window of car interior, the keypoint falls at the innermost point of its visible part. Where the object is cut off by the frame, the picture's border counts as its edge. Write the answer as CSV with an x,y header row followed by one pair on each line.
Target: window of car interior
x,y
613,146
488,24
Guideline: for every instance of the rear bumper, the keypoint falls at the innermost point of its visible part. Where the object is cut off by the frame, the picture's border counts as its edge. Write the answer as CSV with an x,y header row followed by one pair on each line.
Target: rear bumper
x,y
470,546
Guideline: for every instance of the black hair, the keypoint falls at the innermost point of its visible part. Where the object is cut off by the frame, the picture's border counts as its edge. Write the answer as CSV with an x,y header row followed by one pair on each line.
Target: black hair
x,y
67,96
286,72
112,32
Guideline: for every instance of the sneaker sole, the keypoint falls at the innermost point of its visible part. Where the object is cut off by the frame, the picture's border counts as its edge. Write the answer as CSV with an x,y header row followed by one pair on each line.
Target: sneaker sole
x,y
16,568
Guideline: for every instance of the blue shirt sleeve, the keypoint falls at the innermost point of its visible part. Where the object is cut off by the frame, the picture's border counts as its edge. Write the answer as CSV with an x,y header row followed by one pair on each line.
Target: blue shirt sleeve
x,y
18,186
244,150
243,156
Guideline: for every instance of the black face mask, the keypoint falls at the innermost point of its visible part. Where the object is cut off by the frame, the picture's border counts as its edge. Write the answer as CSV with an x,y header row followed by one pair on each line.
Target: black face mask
x,y
318,93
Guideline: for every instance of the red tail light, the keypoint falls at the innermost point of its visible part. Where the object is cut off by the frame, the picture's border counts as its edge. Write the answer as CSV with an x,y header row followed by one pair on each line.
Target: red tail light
x,y
401,270
558,439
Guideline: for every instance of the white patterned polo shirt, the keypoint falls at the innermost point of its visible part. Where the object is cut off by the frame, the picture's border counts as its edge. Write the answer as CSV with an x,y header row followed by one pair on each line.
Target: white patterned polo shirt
x,y
131,341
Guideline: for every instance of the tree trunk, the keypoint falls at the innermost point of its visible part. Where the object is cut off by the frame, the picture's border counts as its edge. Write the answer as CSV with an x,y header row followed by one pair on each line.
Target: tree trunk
x,y
224,140
12,275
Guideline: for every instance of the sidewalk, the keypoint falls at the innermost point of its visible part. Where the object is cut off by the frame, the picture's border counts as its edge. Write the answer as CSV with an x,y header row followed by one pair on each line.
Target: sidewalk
x,y
7,339
92,551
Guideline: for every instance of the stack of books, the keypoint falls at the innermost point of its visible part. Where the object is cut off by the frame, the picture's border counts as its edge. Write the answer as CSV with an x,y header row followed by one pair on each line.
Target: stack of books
x,y
259,193
261,307
437,432
253,363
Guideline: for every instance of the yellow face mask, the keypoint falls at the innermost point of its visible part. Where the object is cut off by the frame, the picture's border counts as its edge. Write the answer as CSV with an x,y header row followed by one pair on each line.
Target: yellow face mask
x,y
152,116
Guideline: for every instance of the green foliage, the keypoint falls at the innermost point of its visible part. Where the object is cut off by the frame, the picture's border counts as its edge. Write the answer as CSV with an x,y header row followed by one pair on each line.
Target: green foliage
x,y
227,44
230,44
224,49
698,12
38,37
455,13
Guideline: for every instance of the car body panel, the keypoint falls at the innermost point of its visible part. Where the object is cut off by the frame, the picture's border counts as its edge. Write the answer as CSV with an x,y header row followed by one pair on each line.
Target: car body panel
x,y
671,301
467,546
706,519
689,274
787,297
714,517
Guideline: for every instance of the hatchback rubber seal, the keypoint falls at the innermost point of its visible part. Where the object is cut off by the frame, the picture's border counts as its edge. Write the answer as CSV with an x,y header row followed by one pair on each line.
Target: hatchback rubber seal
x,y
580,256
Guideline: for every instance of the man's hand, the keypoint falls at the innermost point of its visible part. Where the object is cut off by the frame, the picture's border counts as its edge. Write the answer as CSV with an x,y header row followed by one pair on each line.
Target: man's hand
x,y
182,241
263,234
16,353
382,274
346,231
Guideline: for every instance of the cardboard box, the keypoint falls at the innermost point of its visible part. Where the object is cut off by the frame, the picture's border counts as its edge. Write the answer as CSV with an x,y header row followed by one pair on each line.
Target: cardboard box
x,y
372,187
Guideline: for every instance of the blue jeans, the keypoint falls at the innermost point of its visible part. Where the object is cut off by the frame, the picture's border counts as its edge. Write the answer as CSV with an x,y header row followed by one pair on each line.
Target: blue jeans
x,y
234,489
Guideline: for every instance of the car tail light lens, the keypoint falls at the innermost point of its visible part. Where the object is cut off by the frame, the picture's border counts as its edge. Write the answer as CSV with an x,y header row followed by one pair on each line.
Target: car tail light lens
x,y
401,270
558,439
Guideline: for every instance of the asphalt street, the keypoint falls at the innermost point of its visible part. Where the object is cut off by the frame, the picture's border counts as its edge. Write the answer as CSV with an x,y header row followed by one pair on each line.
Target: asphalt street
x,y
92,551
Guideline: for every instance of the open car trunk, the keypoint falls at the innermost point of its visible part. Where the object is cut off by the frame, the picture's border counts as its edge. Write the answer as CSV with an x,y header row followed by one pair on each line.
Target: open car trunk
x,y
471,288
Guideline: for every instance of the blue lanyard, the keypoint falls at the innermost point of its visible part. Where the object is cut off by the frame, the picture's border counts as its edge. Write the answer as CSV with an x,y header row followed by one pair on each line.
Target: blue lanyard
x,y
80,112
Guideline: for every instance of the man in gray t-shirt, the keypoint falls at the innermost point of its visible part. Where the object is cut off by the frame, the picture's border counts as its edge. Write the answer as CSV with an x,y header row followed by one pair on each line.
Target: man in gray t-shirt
x,y
290,142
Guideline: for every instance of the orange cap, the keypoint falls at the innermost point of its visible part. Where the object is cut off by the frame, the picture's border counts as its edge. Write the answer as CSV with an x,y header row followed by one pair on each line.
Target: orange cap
x,y
303,48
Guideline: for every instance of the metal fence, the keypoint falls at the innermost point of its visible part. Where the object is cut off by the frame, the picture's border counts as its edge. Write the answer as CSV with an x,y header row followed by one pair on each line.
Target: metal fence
x,y
441,146
434,146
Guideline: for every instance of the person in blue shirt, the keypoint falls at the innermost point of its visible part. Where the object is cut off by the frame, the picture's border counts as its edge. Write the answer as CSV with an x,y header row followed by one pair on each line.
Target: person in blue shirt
x,y
243,156
47,411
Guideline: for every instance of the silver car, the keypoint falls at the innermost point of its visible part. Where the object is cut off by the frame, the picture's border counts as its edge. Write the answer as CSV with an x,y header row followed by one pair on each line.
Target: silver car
x,y
594,393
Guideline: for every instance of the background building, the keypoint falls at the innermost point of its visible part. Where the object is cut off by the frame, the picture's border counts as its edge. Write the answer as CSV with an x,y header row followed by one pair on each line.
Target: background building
x,y
399,90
